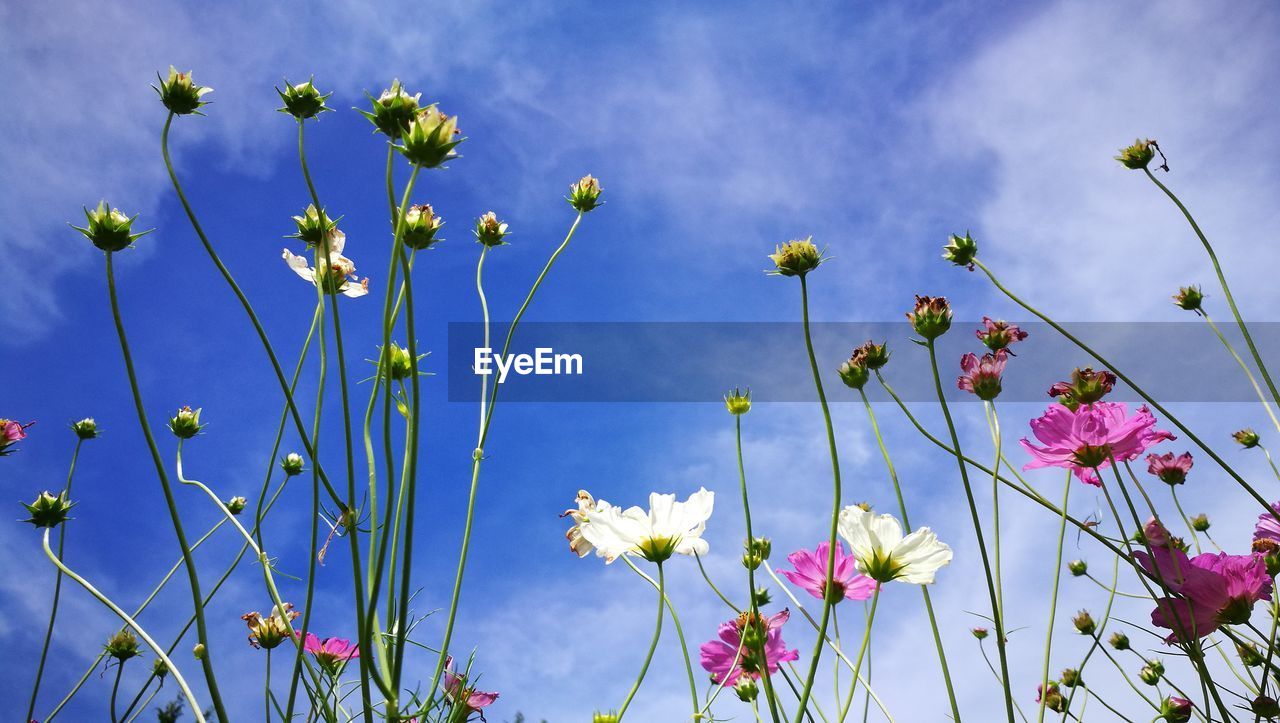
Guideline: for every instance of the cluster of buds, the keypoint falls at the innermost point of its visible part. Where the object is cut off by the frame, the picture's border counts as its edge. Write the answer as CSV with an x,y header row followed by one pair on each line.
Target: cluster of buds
x,y
85,428
1246,438
47,510
1052,697
428,141
1189,298
961,250
1085,387
931,317
122,646
584,195
11,432
269,632
180,94
999,334
796,257
314,227
1152,672
738,402
1084,623
420,227
292,464
1168,468
982,376
865,359
758,550
393,110
1078,568
186,423
236,505
1175,710
302,100
108,228
490,231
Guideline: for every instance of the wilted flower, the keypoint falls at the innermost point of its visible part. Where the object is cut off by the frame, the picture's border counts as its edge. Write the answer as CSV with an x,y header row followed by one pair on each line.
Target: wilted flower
x,y
997,335
586,504
931,317
108,228
1212,589
179,94
1138,155
811,574
667,528
738,402
315,226
330,653
393,110
186,423
466,699
961,250
854,372
1170,469
1086,387
585,194
122,646
873,355
269,632
884,554
1078,568
429,140
1090,437
1189,298
1175,710
11,432
339,277
47,510
1084,623
753,641
292,464
420,227
796,257
85,429
982,376
302,100
1247,438
1053,699
489,230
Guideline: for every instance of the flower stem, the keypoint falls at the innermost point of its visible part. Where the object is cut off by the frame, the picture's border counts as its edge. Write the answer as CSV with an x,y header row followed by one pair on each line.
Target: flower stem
x,y
862,651
115,689
193,577
657,634
684,648
996,615
1053,598
1266,403
752,605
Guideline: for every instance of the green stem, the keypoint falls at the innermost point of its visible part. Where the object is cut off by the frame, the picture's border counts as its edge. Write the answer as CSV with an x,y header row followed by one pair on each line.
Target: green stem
x,y
115,689
1173,491
752,604
1266,403
684,648
1053,597
997,618
193,577
1097,637
993,421
862,651
657,634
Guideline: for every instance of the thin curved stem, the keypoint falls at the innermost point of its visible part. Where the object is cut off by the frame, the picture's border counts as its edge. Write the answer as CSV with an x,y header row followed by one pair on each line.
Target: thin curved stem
x,y
1266,403
862,651
684,648
1053,598
657,634
752,604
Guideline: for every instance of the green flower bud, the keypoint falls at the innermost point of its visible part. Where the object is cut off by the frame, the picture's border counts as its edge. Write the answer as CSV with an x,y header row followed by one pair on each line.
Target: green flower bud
x,y
490,231
1249,654
746,689
758,551
159,669
738,402
429,140
1137,156
393,111
1084,623
122,646
179,94
585,194
599,717
1070,677
1189,298
1078,567
873,355
302,101
980,633
961,250
1175,710
796,257
400,362
1200,523
420,227
1247,438
1119,641
86,428
292,464
1152,672
108,228
236,505
1053,699
931,317
186,423
854,372
762,597
198,651
313,226
47,510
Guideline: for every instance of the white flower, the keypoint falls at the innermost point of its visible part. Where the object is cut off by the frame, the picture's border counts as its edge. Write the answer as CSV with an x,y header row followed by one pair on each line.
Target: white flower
x,y
341,275
668,528
884,554
586,505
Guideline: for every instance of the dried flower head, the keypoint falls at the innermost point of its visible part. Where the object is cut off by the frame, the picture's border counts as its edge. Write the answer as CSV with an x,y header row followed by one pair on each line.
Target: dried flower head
x,y
931,317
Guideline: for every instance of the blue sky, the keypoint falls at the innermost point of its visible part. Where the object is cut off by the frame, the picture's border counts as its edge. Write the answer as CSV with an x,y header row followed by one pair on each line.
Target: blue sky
x,y
718,130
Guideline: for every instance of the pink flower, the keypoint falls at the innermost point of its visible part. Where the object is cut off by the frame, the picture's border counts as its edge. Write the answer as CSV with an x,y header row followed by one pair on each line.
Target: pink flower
x,y
1268,526
1216,589
1155,533
997,335
982,376
330,652
811,573
718,656
11,432
1090,436
1170,469
455,687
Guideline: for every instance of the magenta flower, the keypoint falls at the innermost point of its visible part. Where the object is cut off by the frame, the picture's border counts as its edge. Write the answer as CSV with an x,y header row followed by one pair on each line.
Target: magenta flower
x,y
1216,589
1268,526
455,687
11,432
719,656
997,335
982,376
1090,437
1170,469
811,573
330,653
1156,534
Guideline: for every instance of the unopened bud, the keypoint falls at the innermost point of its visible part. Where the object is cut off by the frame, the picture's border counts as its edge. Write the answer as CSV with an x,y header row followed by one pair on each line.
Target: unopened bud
x,y
1200,523
186,423
179,94
931,317
1247,438
292,464
490,231
746,689
235,505
48,511
1084,623
961,250
1189,298
122,646
796,257
1078,567
302,100
585,194
1119,641
738,402
86,428
1137,156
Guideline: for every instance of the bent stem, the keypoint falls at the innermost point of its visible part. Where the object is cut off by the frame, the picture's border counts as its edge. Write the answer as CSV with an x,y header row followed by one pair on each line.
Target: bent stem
x,y
177,674
657,634
684,648
1266,403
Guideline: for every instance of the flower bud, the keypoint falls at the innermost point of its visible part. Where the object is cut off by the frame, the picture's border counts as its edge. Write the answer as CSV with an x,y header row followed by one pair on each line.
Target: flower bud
x,y
1175,710
122,646
400,362
998,334
1189,298
420,227
429,140
1247,438
314,226
1053,699
931,317
854,372
1085,387
198,651
47,510
179,94
159,669
11,432
490,231
186,423
108,228
292,464
1265,707
585,194
1152,672
1200,522
796,257
758,550
961,250
599,717
302,101
738,402
1137,156
1119,641
982,376
1249,655
1170,469
235,505
1084,623
1070,677
746,689
393,110
1078,567
762,597
873,355
86,428
980,633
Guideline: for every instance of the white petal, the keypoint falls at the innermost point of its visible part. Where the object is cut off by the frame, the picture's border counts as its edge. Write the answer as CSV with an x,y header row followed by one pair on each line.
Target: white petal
x,y
921,554
299,266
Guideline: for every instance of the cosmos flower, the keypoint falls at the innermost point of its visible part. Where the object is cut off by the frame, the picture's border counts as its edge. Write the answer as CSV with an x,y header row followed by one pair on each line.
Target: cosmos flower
x,y
996,335
667,528
11,432
1172,470
811,573
1090,436
270,631
884,554
458,692
330,653
1268,527
982,375
1215,588
339,278
747,645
